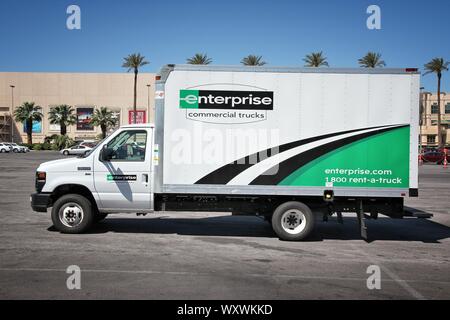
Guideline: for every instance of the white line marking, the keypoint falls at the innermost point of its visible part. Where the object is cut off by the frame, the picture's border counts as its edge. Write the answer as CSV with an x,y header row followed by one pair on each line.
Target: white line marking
x,y
256,275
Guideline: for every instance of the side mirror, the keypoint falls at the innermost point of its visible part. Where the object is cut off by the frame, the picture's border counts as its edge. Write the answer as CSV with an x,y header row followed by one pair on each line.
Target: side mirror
x,y
106,154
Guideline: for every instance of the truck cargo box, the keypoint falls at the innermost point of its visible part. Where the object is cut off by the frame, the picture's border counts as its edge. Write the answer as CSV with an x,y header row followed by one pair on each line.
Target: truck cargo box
x,y
287,131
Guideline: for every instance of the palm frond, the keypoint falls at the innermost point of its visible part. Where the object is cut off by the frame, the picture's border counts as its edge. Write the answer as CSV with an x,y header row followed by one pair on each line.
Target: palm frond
x,y
315,59
436,65
253,60
27,111
371,60
134,61
62,114
199,58
104,116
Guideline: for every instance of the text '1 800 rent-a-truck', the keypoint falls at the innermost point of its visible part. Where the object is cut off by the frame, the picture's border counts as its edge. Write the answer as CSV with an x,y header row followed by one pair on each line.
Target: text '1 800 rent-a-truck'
x,y
283,143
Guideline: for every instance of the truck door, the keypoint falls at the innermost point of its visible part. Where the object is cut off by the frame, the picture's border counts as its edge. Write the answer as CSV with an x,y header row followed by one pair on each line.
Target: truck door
x,y
123,182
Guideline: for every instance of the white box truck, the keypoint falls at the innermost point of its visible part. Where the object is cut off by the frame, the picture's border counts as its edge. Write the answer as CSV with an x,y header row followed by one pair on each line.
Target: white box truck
x,y
282,143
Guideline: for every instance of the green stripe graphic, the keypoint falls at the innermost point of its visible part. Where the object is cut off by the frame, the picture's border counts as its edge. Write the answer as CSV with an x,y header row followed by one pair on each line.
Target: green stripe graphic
x,y
378,161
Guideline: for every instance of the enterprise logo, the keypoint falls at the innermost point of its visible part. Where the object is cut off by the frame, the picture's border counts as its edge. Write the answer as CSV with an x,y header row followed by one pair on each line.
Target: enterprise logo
x,y
216,99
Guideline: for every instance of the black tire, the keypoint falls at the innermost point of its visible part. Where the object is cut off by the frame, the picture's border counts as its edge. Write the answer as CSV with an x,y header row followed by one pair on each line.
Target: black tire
x,y
3,151
15,150
78,202
66,153
99,216
293,210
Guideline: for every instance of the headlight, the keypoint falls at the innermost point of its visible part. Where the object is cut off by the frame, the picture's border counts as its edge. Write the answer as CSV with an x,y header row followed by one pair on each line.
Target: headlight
x,y
41,176
40,180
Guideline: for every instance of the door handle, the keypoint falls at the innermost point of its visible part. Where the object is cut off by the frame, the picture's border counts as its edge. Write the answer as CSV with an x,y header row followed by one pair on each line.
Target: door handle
x,y
145,178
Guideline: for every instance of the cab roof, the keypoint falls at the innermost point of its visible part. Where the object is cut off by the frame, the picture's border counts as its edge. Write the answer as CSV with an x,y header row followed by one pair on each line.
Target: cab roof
x,y
139,125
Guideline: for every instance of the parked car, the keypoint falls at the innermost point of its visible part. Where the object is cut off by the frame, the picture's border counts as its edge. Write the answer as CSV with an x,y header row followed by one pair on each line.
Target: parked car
x,y
89,144
434,157
4,147
17,148
76,150
14,147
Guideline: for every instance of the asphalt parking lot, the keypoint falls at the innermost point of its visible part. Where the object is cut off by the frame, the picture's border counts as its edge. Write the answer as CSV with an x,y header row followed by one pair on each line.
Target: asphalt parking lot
x,y
218,256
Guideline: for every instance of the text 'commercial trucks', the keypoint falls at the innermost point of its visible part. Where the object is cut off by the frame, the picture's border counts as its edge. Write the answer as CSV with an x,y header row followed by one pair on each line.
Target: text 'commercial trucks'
x,y
282,143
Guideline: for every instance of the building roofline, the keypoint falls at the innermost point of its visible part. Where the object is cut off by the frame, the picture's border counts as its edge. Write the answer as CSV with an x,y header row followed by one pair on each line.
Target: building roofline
x,y
74,72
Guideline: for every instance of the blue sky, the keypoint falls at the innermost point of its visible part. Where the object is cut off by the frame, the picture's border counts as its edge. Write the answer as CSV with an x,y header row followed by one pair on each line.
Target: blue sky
x,y
34,36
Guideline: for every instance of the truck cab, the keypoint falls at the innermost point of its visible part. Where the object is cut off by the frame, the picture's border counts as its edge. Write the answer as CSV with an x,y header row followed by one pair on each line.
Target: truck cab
x,y
115,176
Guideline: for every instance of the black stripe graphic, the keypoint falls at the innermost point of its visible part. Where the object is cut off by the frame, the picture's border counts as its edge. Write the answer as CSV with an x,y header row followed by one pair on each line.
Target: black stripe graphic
x,y
292,164
226,173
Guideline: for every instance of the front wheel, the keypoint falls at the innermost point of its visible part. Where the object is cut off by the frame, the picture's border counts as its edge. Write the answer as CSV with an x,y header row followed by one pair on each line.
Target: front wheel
x,y
66,153
293,221
72,213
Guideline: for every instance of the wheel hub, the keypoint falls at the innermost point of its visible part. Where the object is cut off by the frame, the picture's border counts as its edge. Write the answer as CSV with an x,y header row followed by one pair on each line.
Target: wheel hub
x,y
71,214
293,221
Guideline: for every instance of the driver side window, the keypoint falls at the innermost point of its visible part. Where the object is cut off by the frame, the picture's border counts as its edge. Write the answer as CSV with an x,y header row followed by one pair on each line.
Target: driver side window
x,y
129,146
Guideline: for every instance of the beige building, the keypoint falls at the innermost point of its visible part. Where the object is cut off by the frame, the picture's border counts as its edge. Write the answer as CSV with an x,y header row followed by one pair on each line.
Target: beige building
x,y
83,91
87,91
428,119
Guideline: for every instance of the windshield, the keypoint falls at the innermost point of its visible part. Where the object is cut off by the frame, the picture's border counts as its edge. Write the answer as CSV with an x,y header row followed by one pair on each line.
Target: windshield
x,y
96,146
84,155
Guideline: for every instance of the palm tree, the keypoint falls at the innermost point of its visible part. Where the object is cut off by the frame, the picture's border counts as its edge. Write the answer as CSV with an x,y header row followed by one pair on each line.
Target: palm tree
x,y
63,142
252,60
133,62
438,65
199,58
62,115
104,118
315,59
371,60
27,113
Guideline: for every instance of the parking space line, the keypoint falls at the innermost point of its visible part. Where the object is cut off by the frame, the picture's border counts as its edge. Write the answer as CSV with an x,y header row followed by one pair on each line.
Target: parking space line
x,y
255,275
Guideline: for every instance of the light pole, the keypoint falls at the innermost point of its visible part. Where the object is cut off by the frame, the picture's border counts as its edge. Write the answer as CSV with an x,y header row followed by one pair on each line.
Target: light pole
x,y
12,110
148,103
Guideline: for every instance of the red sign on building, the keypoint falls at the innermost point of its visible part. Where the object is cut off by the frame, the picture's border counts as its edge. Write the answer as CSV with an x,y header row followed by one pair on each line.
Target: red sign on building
x,y
141,116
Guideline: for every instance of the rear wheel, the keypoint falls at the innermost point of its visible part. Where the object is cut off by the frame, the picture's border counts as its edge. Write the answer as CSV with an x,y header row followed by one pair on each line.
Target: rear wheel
x,y
66,153
293,221
72,213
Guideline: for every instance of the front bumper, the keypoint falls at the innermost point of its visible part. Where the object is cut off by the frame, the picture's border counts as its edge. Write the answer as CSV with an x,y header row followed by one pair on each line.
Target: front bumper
x,y
40,201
